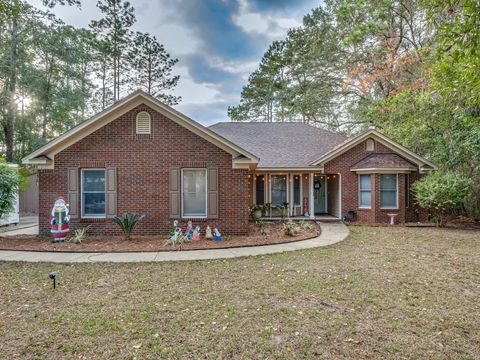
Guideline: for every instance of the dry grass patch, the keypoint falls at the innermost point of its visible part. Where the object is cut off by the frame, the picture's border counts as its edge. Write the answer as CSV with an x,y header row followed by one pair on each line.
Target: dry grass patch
x,y
382,293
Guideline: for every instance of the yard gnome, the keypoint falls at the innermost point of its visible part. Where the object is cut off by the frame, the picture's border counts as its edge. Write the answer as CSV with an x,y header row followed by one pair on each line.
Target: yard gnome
x,y
208,233
59,219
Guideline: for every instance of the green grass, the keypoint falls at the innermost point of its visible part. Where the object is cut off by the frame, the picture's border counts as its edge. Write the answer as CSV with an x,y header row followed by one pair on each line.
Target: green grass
x,y
382,293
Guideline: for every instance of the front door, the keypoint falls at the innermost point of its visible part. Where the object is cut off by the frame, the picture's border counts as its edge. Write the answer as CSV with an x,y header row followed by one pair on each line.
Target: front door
x,y
319,192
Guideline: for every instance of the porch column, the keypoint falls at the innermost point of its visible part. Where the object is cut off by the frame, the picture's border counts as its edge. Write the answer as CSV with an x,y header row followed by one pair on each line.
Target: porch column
x,y
311,209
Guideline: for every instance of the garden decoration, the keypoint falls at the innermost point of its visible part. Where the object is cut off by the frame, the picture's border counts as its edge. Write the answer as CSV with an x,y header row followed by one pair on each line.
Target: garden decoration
x,y
218,236
196,233
189,231
174,229
208,233
59,220
176,238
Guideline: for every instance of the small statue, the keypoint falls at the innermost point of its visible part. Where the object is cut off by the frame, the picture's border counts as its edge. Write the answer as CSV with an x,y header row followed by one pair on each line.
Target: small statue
x,y
208,233
174,229
59,219
218,236
176,238
196,233
189,231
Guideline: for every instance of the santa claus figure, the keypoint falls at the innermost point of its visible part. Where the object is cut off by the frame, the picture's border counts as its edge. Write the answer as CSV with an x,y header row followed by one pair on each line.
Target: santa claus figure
x,y
59,219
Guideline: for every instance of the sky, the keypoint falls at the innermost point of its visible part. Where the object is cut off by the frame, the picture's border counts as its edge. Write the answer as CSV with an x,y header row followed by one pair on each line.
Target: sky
x,y
218,42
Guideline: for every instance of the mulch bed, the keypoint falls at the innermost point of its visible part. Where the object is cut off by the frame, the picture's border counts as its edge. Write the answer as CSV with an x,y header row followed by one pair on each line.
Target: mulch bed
x,y
274,234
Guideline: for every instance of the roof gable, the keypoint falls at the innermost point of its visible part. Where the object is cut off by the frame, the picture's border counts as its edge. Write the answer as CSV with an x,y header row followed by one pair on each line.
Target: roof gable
x,y
45,154
421,162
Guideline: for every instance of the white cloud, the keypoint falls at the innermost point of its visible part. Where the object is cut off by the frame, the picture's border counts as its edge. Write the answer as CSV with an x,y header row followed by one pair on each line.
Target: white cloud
x,y
193,92
271,25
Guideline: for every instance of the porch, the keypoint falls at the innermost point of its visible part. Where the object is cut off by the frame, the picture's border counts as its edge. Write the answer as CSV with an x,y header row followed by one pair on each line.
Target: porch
x,y
296,195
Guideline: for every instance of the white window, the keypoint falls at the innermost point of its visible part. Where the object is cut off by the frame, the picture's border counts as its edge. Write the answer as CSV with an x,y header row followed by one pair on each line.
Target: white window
x,y
194,193
144,123
279,189
388,191
93,193
365,191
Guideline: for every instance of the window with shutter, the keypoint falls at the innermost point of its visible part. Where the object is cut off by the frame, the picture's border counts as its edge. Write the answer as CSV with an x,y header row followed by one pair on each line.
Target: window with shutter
x,y
144,123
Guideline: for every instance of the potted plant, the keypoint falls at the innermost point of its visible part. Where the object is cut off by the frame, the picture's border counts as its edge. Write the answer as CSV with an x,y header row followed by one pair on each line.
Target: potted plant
x,y
257,211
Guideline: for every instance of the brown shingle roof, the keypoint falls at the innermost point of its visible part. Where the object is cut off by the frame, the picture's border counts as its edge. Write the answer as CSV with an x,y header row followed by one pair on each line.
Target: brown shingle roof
x,y
382,160
280,145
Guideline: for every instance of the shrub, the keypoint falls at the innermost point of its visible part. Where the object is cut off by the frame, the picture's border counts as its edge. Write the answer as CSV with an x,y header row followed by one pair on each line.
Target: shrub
x,y
307,226
79,235
10,181
290,228
441,193
128,222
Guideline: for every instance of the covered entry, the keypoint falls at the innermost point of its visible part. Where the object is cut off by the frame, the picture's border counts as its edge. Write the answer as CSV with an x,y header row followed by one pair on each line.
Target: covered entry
x,y
306,195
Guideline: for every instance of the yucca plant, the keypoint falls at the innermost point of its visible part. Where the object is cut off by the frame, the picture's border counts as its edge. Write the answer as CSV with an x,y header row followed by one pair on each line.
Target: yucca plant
x,y
128,222
79,235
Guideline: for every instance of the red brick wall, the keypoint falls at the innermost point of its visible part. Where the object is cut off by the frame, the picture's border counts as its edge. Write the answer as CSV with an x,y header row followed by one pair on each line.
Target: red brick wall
x,y
143,163
343,163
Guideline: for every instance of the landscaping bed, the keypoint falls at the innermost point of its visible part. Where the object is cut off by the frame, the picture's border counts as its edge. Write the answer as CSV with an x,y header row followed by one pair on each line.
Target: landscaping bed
x,y
266,234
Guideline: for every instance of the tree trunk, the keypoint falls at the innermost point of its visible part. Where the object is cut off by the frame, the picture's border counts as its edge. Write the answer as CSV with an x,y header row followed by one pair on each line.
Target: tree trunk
x,y
9,134
114,78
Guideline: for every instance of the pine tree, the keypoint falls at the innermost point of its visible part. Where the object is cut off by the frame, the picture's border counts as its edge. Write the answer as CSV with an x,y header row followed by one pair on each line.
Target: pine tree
x,y
114,28
151,68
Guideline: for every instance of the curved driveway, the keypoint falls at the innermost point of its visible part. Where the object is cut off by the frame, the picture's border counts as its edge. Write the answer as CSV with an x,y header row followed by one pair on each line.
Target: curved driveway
x,y
332,232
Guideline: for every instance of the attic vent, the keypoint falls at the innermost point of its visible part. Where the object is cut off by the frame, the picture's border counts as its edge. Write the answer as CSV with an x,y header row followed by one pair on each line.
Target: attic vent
x,y
144,123
370,145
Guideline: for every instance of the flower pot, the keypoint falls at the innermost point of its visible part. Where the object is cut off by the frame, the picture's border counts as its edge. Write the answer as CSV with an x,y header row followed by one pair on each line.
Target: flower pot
x,y
257,214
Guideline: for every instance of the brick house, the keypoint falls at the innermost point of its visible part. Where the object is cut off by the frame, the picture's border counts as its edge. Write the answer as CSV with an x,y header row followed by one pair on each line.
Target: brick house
x,y
140,155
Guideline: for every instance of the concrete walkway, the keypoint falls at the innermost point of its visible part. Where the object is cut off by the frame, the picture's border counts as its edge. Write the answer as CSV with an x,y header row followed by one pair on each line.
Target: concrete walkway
x,y
28,225
331,234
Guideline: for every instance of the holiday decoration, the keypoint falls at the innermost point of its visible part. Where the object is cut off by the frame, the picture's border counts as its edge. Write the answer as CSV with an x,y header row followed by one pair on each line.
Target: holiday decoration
x,y
218,236
189,231
176,238
174,229
305,206
59,219
208,233
196,233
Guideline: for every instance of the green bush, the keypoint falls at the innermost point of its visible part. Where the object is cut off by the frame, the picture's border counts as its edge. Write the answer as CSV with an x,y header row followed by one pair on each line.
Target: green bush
x,y
128,222
9,186
442,193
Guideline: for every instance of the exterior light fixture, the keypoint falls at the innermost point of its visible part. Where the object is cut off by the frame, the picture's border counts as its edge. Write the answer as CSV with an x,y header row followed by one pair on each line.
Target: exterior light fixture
x,y
54,276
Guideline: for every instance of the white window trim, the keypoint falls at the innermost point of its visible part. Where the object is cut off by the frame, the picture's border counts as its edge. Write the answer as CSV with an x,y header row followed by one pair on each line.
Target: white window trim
x,y
293,189
292,193
380,194
271,184
82,214
206,195
360,192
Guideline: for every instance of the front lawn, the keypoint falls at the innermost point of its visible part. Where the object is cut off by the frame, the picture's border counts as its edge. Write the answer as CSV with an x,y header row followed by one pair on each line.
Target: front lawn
x,y
382,293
